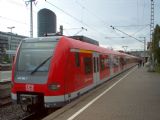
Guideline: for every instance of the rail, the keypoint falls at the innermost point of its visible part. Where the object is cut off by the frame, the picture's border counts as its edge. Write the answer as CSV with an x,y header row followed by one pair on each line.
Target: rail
x,y
29,117
39,115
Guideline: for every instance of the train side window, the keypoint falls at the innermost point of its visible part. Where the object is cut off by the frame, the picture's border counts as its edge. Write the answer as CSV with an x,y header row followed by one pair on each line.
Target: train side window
x,y
97,64
94,60
114,62
88,65
77,59
122,62
102,64
107,62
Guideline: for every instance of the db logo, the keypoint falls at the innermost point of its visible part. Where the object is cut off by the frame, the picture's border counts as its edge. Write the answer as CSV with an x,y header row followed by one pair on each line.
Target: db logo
x,y
29,87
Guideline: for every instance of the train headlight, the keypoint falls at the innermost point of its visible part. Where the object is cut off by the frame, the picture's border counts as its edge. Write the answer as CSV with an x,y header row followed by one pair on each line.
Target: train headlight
x,y
54,86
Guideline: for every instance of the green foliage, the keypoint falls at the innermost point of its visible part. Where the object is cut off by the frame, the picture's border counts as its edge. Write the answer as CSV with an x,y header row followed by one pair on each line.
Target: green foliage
x,y
6,59
155,44
157,68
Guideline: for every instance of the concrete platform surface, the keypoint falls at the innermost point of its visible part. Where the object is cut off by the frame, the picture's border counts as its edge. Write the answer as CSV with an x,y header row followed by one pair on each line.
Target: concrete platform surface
x,y
5,76
133,96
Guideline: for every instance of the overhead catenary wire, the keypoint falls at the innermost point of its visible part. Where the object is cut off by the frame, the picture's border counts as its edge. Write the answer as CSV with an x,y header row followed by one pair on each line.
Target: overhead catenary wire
x,y
126,34
116,37
73,17
144,5
92,13
142,27
133,25
67,13
82,28
137,11
116,32
72,28
13,20
97,17
140,30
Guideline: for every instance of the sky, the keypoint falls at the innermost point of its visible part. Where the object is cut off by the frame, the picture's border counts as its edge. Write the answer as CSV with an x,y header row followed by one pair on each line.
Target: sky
x,y
96,16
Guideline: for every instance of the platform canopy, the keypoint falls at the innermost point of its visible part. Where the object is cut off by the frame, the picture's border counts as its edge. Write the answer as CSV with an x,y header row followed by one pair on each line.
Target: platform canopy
x,y
10,52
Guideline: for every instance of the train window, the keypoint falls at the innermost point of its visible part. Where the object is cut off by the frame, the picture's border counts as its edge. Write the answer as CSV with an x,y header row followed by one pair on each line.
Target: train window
x,y
102,60
77,60
125,61
34,54
94,60
88,65
107,62
97,64
122,62
115,62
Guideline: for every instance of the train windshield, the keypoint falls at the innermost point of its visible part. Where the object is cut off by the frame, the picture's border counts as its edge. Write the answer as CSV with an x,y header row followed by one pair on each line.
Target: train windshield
x,y
35,56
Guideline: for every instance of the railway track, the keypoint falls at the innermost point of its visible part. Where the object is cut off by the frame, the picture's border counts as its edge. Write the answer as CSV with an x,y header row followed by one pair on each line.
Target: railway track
x,y
5,97
29,117
35,116
5,101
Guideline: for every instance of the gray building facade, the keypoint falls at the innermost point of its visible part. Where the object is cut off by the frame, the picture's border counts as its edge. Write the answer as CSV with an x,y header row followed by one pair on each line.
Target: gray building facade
x,y
8,43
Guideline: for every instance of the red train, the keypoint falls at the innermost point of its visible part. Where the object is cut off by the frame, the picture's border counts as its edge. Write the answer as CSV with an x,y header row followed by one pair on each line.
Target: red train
x,y
50,71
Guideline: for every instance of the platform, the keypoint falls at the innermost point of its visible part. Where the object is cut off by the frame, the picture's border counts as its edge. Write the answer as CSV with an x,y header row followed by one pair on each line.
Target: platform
x,y
135,95
5,76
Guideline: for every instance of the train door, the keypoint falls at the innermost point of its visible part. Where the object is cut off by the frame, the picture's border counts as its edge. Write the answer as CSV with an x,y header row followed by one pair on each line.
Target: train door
x,y
111,65
96,73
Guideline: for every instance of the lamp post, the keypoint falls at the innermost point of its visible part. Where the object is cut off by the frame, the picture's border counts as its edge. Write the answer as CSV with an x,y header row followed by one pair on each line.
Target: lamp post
x,y
10,41
144,46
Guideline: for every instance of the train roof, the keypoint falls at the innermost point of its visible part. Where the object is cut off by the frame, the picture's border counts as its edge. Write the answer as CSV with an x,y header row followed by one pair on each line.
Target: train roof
x,y
92,47
52,38
78,44
85,39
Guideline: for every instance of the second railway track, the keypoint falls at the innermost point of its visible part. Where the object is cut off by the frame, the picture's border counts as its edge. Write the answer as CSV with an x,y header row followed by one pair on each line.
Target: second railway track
x,y
5,91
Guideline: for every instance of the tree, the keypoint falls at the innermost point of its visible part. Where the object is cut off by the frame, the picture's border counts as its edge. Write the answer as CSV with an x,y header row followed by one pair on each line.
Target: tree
x,y
6,59
155,44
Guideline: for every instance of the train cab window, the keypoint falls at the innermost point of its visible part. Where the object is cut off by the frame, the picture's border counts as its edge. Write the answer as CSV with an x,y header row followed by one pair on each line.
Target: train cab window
x,y
88,65
77,60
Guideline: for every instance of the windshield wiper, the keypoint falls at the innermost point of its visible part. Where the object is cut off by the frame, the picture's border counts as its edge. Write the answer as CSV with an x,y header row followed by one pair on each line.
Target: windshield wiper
x,y
40,65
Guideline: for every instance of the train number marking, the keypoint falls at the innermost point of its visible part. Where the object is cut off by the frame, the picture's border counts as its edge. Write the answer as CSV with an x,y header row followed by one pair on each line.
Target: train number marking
x,y
29,87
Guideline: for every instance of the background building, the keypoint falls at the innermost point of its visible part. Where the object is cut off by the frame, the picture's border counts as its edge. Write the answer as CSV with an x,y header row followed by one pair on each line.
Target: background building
x,y
8,45
141,54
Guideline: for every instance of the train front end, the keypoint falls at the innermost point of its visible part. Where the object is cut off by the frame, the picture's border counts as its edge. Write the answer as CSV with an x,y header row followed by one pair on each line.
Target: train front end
x,y
30,72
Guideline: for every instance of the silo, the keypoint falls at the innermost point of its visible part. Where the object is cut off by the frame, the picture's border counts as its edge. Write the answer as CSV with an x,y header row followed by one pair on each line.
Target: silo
x,y
46,22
